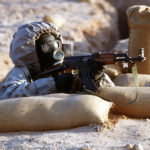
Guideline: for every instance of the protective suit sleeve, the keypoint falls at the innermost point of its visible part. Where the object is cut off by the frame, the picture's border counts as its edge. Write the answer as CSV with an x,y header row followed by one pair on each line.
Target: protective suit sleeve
x,y
17,84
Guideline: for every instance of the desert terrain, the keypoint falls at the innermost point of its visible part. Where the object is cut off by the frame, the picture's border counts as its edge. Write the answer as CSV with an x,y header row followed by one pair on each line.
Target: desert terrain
x,y
92,28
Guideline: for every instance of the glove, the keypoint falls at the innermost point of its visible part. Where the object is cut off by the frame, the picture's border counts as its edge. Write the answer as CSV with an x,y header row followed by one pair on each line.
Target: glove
x,y
64,82
77,85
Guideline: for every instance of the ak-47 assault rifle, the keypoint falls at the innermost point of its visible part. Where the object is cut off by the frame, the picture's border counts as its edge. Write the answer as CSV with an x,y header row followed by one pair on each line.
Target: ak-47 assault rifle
x,y
82,63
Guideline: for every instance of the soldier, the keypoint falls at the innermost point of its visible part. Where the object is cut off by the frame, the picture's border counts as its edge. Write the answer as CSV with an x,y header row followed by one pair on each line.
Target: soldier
x,y
35,47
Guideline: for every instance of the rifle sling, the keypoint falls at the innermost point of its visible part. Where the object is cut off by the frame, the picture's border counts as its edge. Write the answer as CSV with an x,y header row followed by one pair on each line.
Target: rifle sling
x,y
88,90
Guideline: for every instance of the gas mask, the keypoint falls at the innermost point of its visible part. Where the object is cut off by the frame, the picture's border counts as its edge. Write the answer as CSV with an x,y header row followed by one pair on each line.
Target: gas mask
x,y
49,50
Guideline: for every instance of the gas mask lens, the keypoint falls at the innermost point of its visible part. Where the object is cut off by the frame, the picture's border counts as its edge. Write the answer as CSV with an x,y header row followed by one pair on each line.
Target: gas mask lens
x,y
46,48
51,46
53,49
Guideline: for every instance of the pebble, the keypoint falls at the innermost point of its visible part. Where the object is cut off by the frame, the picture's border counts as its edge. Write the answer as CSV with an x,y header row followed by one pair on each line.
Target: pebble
x,y
87,147
99,128
147,119
61,142
89,1
129,146
137,147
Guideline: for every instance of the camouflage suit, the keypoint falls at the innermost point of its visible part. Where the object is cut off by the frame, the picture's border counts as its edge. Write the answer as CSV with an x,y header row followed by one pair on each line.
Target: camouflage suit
x,y
19,82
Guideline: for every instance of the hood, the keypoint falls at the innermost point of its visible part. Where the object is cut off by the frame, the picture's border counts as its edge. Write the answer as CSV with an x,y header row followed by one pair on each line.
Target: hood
x,y
23,49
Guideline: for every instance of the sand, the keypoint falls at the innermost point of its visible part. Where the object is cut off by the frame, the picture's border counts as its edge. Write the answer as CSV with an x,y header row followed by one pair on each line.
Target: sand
x,y
124,135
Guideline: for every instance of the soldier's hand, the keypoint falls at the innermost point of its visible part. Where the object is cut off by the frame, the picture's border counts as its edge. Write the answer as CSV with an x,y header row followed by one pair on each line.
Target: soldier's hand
x,y
64,82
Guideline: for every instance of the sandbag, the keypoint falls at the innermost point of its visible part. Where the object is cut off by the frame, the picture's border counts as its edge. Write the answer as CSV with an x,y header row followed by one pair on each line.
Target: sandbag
x,y
127,80
113,70
124,95
139,37
50,112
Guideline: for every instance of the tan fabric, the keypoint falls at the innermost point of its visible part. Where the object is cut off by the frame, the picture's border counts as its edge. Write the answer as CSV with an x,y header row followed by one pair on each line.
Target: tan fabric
x,y
139,37
113,70
127,80
124,95
51,112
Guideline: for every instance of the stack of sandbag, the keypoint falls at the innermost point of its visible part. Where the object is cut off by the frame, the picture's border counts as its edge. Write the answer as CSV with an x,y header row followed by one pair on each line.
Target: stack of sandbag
x,y
139,23
56,111
123,98
130,100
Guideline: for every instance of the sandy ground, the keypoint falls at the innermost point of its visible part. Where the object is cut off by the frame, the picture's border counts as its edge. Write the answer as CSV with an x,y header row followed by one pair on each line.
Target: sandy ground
x,y
132,132
126,133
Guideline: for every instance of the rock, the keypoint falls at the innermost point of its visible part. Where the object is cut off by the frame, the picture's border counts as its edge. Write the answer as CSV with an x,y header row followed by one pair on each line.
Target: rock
x,y
138,147
57,20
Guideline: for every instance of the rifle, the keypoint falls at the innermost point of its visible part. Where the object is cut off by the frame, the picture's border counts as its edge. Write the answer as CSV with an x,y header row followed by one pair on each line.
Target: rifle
x,y
82,63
